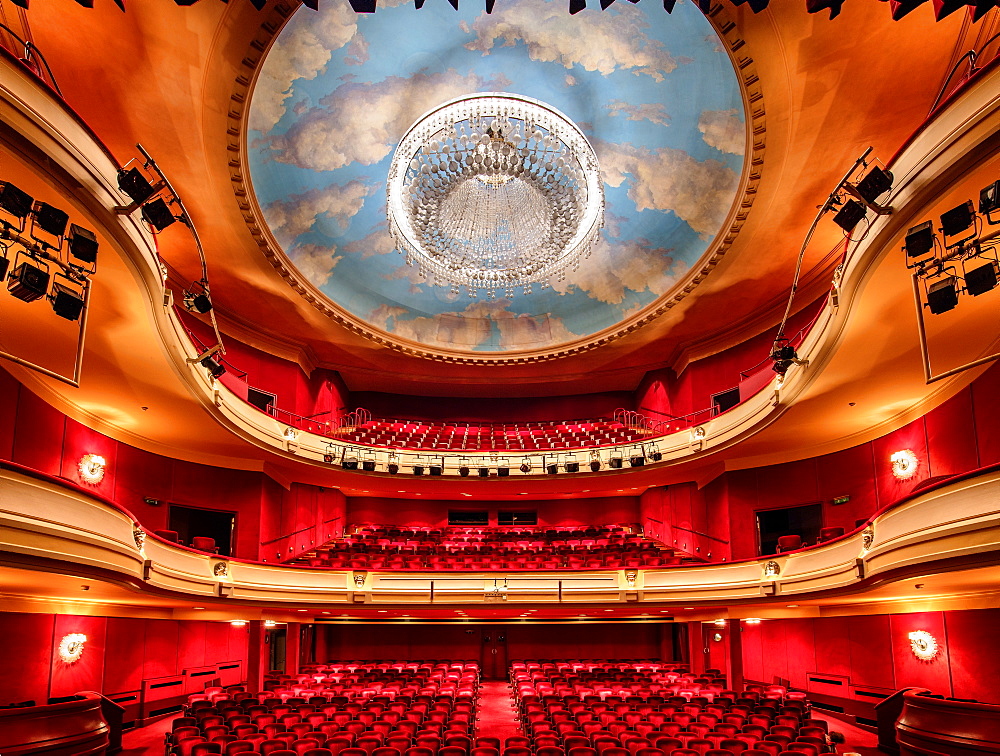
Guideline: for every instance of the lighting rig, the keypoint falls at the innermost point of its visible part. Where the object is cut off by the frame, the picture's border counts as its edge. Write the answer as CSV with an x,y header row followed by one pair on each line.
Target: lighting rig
x,y
860,191
44,256
160,207
958,257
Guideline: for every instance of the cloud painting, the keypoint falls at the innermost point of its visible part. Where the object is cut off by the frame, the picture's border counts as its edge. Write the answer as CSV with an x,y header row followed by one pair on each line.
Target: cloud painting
x,y
655,94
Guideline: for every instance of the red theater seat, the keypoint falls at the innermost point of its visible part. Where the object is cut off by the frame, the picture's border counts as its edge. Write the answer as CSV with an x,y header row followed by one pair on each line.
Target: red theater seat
x,y
789,543
168,535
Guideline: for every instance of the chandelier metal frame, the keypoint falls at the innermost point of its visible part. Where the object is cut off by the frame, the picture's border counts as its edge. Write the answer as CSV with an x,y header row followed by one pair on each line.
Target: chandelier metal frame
x,y
494,191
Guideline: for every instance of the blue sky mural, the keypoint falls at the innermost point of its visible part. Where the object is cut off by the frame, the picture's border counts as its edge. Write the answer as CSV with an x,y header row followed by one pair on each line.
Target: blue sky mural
x,y
655,94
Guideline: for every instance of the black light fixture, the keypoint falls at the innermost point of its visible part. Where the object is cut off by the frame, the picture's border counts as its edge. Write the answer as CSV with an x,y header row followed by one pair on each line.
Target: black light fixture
x,y
328,458
616,461
82,244
595,461
919,240
158,214
418,470
4,265
503,471
850,215
942,295
28,282
393,466
66,302
982,279
484,472
350,461
50,219
989,198
552,468
637,460
199,302
135,185
368,463
958,219
784,356
437,468
463,468
525,466
15,201
876,183
572,466
215,367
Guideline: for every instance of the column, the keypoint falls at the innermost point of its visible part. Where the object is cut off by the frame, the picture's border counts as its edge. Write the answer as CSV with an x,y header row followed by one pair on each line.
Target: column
x,y
734,655
293,647
696,646
256,657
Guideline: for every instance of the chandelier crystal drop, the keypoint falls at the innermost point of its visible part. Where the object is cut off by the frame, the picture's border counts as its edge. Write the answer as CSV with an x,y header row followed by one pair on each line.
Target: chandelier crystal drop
x,y
494,192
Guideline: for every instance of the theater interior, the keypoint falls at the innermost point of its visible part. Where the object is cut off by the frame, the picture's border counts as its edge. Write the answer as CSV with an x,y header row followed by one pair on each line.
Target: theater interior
x,y
617,379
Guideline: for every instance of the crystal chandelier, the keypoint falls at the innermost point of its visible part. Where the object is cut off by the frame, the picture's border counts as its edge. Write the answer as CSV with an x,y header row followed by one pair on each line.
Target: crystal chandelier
x,y
494,192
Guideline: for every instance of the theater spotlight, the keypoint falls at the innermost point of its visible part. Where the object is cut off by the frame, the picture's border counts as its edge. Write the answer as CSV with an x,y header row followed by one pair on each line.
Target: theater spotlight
x,y
572,465
328,458
503,468
82,244
616,460
982,279
15,202
198,300
876,183
67,301
350,461
484,472
552,468
942,295
989,199
919,240
784,356
51,220
437,468
135,185
418,468
637,458
850,215
29,281
158,215
654,453
393,466
595,461
215,368
368,463
958,220
525,465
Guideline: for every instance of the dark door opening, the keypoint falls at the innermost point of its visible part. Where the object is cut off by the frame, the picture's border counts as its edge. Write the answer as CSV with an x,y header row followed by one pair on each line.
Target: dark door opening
x,y
210,523
494,657
805,521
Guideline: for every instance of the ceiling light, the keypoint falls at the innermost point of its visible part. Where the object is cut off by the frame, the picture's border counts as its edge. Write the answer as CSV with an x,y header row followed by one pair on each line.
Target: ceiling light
x,y
942,295
982,279
919,240
270,623
238,623
875,184
82,244
15,201
158,215
958,219
496,192
51,219
135,185
29,281
850,215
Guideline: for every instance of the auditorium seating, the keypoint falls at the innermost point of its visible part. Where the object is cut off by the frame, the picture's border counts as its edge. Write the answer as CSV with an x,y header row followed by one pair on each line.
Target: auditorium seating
x,y
386,547
353,709
509,437
651,708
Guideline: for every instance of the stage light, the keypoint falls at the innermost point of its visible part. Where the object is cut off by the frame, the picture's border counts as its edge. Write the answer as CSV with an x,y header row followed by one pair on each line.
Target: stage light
x,y
958,219
350,462
572,466
158,215
50,219
368,463
28,282
200,303
942,296
418,470
850,215
552,468
67,303
4,265
616,461
393,466
215,368
484,472
463,467
525,465
989,198
875,184
135,185
436,468
637,460
595,461
982,279
919,240
503,471
654,453
784,356
82,244
14,201
328,458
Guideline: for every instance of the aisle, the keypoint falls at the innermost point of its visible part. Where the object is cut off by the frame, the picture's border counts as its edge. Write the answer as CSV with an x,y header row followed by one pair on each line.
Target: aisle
x,y
859,740
496,715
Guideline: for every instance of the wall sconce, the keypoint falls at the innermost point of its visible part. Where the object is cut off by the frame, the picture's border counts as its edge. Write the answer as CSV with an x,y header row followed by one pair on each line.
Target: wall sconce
x,y
92,467
904,464
71,647
923,645
717,637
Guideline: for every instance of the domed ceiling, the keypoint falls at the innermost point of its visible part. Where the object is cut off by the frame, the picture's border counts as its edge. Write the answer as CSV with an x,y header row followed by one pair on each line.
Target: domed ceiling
x,y
655,94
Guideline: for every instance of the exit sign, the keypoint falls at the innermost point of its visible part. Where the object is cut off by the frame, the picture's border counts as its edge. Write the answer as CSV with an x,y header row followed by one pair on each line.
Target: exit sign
x,y
841,499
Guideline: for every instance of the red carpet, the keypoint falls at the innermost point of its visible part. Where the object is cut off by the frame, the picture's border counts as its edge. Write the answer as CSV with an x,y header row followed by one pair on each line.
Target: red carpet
x,y
857,739
495,714
148,740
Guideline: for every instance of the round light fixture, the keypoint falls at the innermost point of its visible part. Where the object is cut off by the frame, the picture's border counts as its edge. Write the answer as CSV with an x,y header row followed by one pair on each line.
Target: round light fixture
x,y
904,464
71,647
923,645
92,468
496,192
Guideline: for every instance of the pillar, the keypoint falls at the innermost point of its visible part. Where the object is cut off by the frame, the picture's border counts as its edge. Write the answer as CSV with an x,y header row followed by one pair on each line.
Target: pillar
x,y
293,647
734,655
256,656
696,646
321,654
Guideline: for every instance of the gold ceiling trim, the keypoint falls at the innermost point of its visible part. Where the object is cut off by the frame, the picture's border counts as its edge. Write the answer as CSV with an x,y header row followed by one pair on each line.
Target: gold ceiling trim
x,y
239,171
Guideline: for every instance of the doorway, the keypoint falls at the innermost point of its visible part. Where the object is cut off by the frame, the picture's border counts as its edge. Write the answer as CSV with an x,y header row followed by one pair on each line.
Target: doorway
x,y
493,661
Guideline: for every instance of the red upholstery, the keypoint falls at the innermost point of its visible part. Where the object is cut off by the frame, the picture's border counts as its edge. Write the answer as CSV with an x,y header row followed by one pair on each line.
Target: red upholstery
x,y
789,542
168,535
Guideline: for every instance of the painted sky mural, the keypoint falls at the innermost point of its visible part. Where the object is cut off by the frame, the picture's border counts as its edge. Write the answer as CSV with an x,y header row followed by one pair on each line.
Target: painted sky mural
x,y
655,94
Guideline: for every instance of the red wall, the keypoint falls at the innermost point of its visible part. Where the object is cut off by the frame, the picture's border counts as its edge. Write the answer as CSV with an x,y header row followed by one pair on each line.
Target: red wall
x,y
269,518
434,513
874,652
119,654
958,436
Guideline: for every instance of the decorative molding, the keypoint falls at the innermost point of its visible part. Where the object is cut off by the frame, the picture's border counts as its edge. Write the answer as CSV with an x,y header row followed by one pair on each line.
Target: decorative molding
x,y
139,536
239,104
221,569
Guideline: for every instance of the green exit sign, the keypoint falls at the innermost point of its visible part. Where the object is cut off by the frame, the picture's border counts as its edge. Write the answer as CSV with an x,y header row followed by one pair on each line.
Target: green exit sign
x,y
841,499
